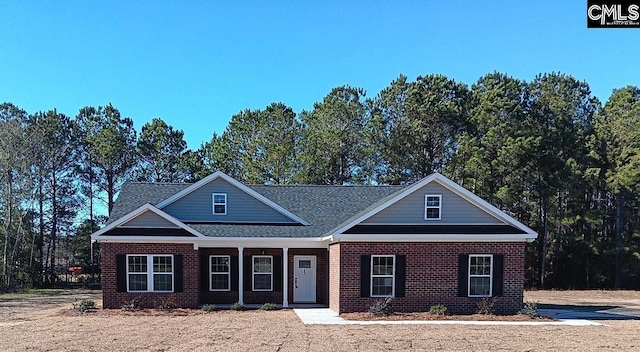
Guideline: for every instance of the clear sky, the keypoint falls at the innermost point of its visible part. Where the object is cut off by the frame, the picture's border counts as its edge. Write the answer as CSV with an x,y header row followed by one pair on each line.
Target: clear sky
x,y
196,63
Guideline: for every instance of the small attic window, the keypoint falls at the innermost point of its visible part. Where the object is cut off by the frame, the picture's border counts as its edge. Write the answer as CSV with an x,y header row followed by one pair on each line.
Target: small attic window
x,y
432,206
219,204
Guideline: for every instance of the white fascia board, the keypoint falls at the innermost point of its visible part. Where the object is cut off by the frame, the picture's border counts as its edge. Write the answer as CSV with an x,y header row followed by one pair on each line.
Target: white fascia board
x,y
433,238
239,185
230,242
135,213
275,242
452,186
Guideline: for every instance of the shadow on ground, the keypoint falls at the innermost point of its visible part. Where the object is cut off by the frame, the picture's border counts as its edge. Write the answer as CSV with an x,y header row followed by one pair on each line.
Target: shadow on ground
x,y
588,312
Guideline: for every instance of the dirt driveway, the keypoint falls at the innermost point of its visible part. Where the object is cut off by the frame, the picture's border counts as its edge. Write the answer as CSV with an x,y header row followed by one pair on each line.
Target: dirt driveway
x,y
49,324
17,309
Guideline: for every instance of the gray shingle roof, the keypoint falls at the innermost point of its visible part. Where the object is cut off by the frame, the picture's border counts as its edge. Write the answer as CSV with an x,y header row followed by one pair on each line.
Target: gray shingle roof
x,y
325,207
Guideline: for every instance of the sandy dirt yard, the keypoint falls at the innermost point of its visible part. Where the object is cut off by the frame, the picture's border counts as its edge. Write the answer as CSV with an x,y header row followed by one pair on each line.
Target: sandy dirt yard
x,y
49,323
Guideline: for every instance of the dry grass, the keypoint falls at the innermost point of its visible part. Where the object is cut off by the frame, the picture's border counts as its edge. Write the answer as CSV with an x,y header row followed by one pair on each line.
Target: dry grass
x,y
627,299
52,327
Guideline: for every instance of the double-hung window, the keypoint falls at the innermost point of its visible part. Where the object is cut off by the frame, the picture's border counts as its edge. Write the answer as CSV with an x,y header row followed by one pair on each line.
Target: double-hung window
x,y
220,271
219,204
480,275
262,273
149,273
382,275
432,206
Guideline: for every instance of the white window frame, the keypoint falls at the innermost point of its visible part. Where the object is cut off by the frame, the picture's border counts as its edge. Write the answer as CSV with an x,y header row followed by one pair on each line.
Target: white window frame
x,y
427,207
150,272
254,273
213,201
228,273
393,276
490,276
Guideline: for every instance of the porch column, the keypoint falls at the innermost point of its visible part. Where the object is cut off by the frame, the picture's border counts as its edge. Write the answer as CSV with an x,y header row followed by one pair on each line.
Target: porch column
x,y
240,275
285,277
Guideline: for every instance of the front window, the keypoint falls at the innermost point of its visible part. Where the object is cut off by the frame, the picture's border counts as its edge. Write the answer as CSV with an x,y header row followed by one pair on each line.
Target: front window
x,y
480,275
219,204
262,273
150,273
432,206
382,275
220,273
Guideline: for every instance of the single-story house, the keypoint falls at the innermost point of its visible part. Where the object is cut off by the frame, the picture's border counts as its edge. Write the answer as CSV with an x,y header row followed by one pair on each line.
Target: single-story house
x,y
219,241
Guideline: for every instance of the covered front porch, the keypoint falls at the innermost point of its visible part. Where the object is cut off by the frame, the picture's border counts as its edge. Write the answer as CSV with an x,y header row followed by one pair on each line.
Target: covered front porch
x,y
256,274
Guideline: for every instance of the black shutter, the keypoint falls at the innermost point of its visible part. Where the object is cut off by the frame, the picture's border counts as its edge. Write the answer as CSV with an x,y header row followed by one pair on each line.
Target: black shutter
x,y
178,273
277,274
365,276
401,273
463,275
248,277
235,273
498,270
204,273
121,272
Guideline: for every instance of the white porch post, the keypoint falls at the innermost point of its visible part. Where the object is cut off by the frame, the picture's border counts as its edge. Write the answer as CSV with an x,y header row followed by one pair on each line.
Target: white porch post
x,y
285,277
240,275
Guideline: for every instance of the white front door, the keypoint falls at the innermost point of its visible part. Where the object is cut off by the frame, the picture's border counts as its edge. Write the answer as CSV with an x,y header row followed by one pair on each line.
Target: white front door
x,y
304,278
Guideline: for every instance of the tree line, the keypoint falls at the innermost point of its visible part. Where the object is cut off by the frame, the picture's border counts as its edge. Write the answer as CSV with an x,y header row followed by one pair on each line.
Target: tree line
x,y
547,152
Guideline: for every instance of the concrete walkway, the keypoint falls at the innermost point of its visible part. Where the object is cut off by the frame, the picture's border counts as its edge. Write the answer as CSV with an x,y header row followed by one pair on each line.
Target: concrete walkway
x,y
326,316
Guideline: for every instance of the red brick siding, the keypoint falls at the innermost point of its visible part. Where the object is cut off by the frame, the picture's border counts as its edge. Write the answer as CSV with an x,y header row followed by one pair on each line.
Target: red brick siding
x,y
431,275
322,272
113,299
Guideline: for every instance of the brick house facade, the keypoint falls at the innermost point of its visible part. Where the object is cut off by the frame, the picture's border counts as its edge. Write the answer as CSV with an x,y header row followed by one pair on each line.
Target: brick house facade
x,y
219,242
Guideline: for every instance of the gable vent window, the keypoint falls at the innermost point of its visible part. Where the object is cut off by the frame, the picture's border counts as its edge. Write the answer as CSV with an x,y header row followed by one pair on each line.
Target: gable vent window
x,y
219,204
432,206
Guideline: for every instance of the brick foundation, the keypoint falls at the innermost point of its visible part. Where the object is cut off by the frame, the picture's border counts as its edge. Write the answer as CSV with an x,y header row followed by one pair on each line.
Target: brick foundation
x,y
431,275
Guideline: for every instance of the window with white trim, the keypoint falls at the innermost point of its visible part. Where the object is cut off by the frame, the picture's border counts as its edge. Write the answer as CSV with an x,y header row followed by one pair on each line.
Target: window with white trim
x,y
219,204
262,273
480,275
220,272
149,273
432,206
382,275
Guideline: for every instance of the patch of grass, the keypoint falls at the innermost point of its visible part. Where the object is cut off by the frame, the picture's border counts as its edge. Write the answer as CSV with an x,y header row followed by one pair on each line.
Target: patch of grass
x,y
438,309
269,306
486,305
131,306
209,308
237,306
382,307
85,305
165,303
30,292
530,308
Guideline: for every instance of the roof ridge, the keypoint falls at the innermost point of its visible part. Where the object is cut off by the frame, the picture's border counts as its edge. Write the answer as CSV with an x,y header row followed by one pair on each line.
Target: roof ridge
x,y
306,185
159,183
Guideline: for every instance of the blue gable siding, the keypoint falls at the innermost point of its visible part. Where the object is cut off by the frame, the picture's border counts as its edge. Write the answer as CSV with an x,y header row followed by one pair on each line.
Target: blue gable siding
x,y
197,206
455,210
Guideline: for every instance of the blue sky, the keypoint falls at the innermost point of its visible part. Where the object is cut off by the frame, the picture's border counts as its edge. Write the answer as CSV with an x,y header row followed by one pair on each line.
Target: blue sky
x,y
196,63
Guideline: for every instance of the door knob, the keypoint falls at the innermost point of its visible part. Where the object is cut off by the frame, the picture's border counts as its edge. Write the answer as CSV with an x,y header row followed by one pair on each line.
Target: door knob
x,y
296,282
